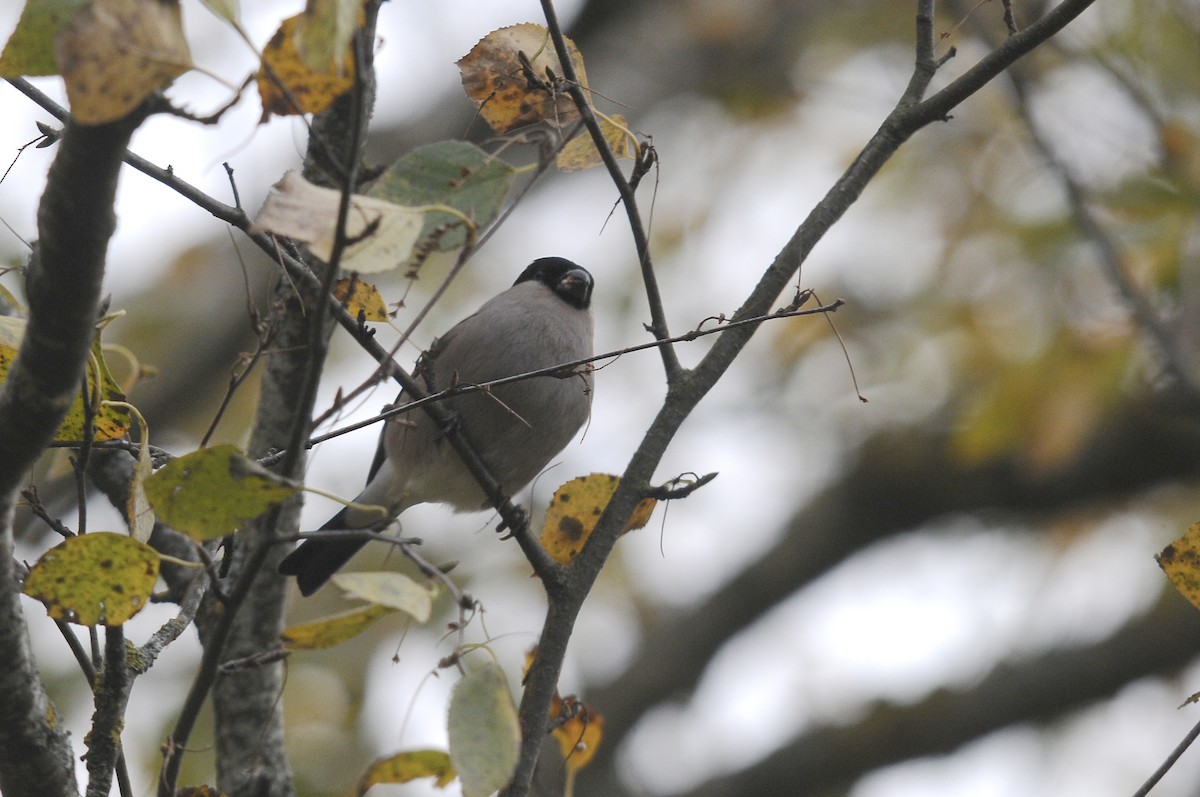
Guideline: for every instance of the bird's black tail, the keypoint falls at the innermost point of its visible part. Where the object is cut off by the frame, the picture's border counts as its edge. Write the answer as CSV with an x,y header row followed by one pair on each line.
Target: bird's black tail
x,y
315,560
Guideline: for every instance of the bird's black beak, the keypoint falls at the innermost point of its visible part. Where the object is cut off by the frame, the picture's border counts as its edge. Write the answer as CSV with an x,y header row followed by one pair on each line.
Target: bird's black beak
x,y
575,288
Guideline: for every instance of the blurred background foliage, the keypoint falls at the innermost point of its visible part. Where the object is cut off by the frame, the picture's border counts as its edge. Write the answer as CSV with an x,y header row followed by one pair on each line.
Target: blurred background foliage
x,y
947,590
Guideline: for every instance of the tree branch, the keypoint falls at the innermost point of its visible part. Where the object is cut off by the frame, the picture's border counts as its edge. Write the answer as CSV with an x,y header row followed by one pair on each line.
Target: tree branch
x,y
658,322
111,696
250,755
63,283
685,393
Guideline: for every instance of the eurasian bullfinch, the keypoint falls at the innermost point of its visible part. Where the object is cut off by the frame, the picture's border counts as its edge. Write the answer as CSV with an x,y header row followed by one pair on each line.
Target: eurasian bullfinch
x,y
543,320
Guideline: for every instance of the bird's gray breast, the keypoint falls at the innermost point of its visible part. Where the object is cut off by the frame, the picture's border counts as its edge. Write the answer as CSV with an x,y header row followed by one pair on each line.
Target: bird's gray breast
x,y
517,428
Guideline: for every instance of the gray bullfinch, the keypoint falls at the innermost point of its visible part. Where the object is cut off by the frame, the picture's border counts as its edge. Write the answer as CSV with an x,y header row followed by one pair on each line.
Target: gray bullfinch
x,y
543,320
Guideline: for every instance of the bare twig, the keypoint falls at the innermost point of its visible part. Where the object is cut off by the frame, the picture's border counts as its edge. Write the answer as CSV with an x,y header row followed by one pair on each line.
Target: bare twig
x,y
1179,750
679,487
658,322
561,370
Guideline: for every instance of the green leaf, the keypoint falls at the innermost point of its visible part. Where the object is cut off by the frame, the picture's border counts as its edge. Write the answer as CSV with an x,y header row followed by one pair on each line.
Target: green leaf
x,y
30,49
214,491
93,579
485,736
454,173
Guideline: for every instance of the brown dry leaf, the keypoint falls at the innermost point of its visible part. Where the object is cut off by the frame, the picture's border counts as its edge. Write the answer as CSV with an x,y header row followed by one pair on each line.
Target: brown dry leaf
x,y
198,791
496,80
575,509
580,152
303,90
114,54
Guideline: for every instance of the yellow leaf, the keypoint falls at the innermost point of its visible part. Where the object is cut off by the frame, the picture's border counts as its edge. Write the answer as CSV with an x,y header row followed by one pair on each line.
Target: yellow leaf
x,y
115,53
29,51
575,509
403,767
93,579
365,302
304,89
214,491
383,233
389,589
509,96
332,630
1181,562
580,731
580,152
108,422
485,736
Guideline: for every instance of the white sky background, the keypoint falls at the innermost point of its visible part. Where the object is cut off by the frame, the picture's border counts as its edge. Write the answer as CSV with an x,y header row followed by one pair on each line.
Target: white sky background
x,y
939,605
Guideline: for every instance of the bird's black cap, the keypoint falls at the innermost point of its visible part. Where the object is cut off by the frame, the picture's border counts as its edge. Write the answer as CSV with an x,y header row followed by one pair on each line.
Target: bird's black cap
x,y
571,282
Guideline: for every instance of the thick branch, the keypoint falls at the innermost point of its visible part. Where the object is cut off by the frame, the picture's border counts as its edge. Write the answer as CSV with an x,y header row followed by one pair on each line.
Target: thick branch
x,y
75,222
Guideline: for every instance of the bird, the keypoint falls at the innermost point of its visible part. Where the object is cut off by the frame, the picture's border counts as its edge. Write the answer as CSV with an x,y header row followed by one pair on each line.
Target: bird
x,y
543,320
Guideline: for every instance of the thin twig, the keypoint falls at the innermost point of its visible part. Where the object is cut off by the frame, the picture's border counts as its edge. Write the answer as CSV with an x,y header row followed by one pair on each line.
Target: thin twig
x,y
658,317
679,487
561,370
1179,750
171,630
